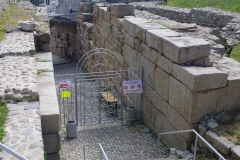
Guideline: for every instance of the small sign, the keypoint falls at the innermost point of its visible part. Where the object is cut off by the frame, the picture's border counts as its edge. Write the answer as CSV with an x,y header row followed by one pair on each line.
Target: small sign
x,y
133,86
64,83
66,94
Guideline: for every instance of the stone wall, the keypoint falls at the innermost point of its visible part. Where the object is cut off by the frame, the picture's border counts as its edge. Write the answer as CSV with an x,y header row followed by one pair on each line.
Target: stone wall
x,y
210,17
3,4
176,95
64,6
63,35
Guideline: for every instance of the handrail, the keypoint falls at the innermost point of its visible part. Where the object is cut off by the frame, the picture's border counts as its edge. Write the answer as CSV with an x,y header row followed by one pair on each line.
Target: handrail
x,y
12,152
103,154
197,136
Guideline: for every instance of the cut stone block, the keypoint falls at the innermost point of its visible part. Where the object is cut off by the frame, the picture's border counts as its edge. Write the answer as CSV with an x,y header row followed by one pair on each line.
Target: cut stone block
x,y
121,10
51,143
155,99
234,81
142,28
184,49
53,156
35,96
223,145
236,152
212,125
210,136
192,106
148,71
85,7
164,63
202,130
162,80
228,99
200,78
154,37
148,52
130,25
163,125
131,57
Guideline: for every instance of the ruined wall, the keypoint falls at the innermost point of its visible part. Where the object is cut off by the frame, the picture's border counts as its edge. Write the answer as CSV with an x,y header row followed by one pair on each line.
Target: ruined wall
x,y
63,39
210,17
3,4
64,6
176,94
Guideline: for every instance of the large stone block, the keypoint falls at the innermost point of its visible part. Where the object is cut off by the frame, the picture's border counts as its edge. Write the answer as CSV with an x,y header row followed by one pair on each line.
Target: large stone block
x,y
223,145
148,71
180,123
121,10
164,63
148,52
131,57
155,99
51,143
85,7
184,49
53,156
200,78
192,106
107,16
130,25
210,136
117,22
148,110
142,28
163,125
228,99
128,39
162,80
236,152
154,37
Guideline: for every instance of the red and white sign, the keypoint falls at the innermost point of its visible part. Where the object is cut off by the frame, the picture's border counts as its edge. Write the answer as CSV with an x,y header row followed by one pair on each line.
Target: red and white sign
x,y
64,83
133,86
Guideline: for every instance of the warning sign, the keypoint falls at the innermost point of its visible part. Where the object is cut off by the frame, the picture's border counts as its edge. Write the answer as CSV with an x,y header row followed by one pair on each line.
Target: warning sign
x,y
66,94
64,83
133,86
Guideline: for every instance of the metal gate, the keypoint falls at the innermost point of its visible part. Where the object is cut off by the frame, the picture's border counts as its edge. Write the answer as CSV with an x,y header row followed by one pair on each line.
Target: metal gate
x,y
94,94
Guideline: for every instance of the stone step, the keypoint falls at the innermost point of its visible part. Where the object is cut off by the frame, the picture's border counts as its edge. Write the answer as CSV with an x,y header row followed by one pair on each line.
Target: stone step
x,y
4,154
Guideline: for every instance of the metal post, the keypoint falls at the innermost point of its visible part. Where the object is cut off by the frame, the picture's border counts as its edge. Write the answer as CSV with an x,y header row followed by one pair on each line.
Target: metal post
x,y
76,107
84,157
100,153
122,98
195,148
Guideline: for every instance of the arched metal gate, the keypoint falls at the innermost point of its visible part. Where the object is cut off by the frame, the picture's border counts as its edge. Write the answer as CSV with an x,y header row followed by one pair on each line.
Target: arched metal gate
x,y
94,94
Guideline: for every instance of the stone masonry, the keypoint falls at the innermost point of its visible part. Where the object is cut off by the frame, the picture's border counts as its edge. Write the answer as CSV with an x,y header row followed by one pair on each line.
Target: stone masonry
x,y
18,77
23,130
177,94
3,4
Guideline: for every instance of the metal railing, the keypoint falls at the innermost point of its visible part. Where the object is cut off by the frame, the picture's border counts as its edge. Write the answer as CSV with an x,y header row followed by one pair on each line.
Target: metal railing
x,y
12,152
102,152
196,140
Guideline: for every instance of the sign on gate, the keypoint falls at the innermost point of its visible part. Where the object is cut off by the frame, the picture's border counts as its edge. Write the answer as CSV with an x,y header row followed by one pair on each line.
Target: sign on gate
x,y
64,83
133,86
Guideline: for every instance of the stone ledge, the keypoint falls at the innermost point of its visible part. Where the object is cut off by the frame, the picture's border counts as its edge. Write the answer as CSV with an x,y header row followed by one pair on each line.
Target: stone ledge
x,y
200,78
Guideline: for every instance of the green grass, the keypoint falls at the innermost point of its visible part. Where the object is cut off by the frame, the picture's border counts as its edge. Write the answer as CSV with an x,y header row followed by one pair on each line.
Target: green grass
x,y
10,17
236,53
228,5
3,116
42,71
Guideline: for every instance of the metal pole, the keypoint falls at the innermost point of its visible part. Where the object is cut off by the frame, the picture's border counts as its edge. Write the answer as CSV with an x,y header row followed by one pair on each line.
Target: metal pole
x,y
122,98
195,148
10,151
76,107
84,157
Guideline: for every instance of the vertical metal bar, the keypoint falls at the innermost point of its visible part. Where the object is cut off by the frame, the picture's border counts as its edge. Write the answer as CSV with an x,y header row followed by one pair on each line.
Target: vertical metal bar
x,y
195,147
72,98
100,153
84,156
121,93
99,94
140,110
76,104
59,101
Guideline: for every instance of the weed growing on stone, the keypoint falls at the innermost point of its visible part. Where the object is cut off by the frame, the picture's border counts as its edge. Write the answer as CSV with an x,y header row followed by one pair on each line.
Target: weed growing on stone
x,y
3,116
110,26
42,71
41,60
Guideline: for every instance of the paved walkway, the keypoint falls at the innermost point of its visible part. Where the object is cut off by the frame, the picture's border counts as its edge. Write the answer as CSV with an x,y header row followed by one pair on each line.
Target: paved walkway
x,y
119,142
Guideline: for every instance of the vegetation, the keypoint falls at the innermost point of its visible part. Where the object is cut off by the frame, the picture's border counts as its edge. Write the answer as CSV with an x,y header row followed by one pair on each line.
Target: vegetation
x,y
10,17
42,71
228,5
3,116
236,53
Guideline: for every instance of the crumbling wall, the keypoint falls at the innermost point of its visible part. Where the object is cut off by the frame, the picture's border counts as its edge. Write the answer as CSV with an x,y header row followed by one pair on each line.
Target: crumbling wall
x,y
63,39
210,17
4,4
65,5
180,84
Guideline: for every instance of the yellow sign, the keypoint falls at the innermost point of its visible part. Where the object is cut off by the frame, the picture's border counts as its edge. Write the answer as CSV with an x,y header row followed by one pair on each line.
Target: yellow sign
x,y
66,94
